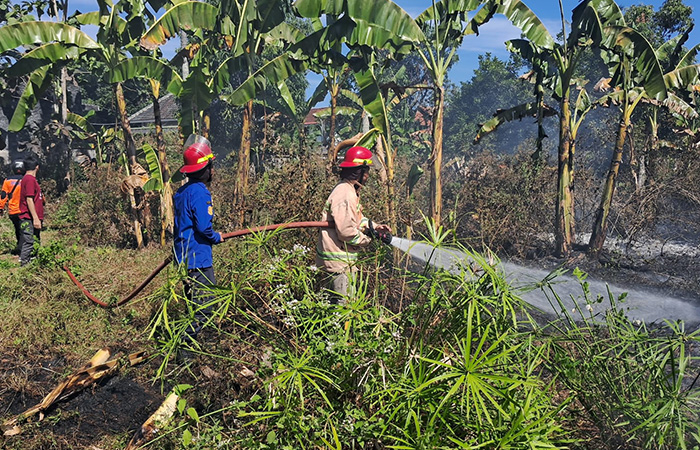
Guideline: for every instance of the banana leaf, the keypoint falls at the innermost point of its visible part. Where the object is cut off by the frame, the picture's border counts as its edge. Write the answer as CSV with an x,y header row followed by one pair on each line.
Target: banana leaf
x,y
98,19
42,56
508,115
84,130
632,45
155,182
30,33
319,94
39,81
143,67
372,99
590,18
414,175
520,16
275,71
183,16
389,23
683,78
689,58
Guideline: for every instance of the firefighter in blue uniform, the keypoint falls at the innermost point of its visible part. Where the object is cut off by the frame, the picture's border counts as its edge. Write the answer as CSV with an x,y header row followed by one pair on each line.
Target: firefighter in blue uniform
x,y
194,234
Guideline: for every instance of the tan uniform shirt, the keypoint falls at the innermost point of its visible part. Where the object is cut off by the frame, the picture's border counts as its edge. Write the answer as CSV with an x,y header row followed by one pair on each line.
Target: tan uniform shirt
x,y
337,247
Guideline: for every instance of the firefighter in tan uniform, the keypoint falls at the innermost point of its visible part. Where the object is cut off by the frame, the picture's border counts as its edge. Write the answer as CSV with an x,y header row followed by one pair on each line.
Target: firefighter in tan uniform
x,y
337,247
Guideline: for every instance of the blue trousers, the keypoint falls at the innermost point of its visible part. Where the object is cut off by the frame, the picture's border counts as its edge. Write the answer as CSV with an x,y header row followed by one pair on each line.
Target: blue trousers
x,y
198,291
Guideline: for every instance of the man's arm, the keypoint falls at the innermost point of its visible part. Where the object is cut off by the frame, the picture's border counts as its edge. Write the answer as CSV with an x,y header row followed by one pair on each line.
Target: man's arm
x,y
32,211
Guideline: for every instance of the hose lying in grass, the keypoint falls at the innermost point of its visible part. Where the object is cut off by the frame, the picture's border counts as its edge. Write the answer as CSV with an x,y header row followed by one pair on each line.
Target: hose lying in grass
x,y
169,259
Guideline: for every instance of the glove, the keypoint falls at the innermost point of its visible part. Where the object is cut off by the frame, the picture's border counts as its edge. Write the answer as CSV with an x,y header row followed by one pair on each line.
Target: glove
x,y
370,231
385,237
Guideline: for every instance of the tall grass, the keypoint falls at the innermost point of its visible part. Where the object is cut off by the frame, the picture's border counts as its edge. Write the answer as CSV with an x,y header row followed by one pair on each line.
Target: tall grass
x,y
452,370
638,384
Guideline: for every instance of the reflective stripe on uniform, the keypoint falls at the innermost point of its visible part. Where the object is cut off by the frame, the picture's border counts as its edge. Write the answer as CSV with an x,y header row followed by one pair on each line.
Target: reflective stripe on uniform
x,y
356,239
337,256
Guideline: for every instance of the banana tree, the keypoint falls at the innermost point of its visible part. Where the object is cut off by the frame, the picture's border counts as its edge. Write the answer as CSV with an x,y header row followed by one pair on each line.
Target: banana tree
x,y
379,25
205,77
243,26
553,66
637,74
118,26
57,44
672,57
157,73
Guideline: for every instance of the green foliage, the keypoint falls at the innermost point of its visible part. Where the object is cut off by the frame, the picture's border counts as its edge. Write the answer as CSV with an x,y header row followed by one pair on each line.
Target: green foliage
x,y
635,382
53,255
672,18
452,369
94,210
155,182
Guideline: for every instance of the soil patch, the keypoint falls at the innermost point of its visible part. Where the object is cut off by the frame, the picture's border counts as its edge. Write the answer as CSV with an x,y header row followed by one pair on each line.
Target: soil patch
x,y
115,406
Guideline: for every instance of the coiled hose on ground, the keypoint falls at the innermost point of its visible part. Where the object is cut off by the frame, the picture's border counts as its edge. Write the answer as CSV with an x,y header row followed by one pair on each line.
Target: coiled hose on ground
x,y
168,260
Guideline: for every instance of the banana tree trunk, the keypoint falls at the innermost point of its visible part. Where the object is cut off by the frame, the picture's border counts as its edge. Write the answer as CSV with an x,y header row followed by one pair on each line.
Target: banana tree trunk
x,y
185,62
436,157
541,135
130,146
243,163
383,172
332,153
67,155
595,245
166,193
564,215
206,123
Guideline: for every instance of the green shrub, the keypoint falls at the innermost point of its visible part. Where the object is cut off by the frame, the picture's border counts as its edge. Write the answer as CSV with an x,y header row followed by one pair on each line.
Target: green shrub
x,y
637,384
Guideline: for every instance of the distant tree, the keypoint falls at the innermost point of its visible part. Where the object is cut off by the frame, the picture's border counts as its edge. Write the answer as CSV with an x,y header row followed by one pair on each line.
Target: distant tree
x,y
672,18
495,83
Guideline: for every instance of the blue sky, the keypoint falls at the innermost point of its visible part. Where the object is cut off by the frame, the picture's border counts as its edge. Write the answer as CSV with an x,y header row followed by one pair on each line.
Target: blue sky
x,y
493,35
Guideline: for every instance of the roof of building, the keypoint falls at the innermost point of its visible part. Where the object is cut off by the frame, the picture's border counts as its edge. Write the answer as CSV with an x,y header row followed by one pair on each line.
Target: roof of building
x,y
169,110
311,118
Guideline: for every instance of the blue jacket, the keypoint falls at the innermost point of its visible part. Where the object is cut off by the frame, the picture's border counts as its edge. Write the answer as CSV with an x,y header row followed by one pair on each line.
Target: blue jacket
x,y
194,234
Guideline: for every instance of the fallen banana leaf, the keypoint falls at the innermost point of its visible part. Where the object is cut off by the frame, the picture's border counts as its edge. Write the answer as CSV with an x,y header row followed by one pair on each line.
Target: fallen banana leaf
x,y
138,357
98,367
157,420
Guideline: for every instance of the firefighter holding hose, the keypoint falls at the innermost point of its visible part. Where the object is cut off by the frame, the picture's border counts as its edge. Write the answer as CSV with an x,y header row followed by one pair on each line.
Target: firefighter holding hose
x,y
194,234
338,246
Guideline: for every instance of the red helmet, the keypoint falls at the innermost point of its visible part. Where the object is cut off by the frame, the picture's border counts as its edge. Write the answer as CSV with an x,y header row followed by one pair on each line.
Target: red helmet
x,y
197,154
357,157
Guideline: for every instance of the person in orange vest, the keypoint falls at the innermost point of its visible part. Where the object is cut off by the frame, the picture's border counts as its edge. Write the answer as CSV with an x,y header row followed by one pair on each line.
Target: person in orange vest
x,y
9,196
337,247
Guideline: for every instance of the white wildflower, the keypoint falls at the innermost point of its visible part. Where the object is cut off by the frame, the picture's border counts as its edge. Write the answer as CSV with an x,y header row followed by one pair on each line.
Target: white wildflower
x,y
589,308
301,249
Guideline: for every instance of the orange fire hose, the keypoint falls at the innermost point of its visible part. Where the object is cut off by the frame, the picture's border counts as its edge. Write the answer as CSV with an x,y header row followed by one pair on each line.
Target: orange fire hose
x,y
169,259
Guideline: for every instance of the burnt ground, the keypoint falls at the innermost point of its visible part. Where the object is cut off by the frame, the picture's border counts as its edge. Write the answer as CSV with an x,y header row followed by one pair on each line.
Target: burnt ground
x,y
113,408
